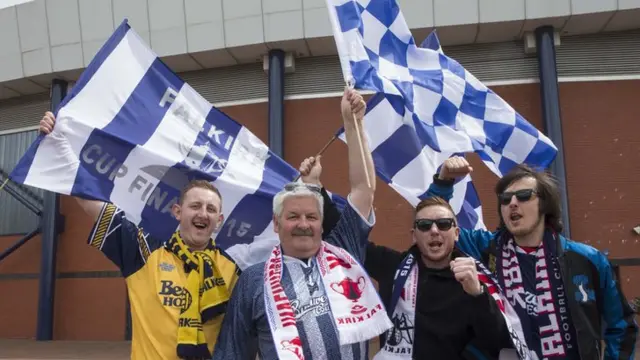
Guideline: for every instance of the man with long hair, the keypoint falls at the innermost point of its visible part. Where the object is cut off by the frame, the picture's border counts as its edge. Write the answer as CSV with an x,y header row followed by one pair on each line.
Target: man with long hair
x,y
564,292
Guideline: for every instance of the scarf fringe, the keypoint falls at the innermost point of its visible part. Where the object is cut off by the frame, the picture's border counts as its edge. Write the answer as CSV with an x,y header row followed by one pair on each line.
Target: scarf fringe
x,y
363,334
190,351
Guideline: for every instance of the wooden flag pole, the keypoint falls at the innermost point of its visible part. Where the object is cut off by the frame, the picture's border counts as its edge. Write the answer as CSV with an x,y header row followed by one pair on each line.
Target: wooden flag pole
x,y
333,138
364,162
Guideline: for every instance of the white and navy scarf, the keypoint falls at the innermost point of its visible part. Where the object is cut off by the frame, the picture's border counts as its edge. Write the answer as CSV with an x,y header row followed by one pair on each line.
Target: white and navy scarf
x,y
355,305
548,304
403,305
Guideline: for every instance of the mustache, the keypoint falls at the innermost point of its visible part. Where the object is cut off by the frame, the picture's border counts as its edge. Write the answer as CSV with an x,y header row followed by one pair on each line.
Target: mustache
x,y
302,232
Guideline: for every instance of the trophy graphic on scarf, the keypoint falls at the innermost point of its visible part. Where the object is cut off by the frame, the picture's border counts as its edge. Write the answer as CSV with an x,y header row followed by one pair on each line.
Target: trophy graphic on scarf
x,y
352,290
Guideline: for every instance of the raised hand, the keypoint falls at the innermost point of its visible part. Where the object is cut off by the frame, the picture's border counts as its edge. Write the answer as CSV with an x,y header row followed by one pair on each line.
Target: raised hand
x,y
352,104
310,170
454,167
47,123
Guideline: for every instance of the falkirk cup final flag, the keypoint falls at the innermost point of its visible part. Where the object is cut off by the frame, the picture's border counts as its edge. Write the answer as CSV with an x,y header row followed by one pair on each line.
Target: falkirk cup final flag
x,y
131,132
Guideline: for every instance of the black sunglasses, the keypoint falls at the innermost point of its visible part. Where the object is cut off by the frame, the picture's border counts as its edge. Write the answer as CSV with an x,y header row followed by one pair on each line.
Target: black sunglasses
x,y
294,186
522,196
443,224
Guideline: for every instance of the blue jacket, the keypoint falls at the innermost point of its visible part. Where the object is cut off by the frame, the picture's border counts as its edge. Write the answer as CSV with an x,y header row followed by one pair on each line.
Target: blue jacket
x,y
601,314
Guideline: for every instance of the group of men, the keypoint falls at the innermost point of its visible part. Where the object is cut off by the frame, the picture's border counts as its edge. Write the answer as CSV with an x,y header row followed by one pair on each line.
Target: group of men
x,y
311,295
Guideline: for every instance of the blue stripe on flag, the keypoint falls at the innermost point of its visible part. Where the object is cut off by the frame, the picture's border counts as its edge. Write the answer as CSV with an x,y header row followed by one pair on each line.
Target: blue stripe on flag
x,y
145,108
212,148
97,61
134,124
19,174
100,158
254,212
206,160
156,215
20,171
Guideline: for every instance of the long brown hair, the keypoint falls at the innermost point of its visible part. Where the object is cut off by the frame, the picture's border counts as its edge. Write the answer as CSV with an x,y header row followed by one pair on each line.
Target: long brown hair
x,y
546,190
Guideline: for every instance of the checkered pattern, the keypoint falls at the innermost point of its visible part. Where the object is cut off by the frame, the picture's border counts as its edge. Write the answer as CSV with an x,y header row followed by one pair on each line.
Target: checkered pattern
x,y
449,108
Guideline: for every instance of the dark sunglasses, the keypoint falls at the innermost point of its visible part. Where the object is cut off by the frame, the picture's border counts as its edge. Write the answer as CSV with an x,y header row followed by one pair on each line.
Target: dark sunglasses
x,y
522,196
443,224
294,186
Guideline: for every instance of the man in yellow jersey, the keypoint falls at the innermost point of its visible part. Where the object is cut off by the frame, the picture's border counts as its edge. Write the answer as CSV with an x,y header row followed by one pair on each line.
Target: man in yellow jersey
x,y
163,278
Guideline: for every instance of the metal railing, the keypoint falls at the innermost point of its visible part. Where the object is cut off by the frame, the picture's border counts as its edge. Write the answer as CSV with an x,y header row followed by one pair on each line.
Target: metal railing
x,y
27,198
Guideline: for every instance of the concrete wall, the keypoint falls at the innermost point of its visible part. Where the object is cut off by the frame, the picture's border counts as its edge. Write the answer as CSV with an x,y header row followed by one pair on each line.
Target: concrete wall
x,y
44,37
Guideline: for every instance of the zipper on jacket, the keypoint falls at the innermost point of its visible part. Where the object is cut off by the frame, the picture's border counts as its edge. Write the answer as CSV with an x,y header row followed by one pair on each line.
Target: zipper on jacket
x,y
561,263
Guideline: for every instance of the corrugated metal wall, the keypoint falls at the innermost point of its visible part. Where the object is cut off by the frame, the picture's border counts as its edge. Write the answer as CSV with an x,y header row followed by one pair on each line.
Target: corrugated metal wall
x,y
22,112
14,217
589,55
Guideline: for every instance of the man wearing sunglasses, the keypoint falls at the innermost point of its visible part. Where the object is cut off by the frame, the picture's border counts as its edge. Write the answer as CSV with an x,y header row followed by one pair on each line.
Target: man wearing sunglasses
x,y
432,292
564,292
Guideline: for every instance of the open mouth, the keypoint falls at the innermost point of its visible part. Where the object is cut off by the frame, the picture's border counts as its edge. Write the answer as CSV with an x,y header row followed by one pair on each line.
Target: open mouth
x,y
515,217
435,245
200,225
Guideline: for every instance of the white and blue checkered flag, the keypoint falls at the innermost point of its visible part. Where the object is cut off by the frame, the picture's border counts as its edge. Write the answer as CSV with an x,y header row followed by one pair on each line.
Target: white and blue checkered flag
x,y
450,110
404,163
131,132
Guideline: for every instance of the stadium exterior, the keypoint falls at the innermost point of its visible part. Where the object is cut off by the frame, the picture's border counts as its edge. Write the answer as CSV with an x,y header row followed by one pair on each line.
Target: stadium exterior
x,y
570,67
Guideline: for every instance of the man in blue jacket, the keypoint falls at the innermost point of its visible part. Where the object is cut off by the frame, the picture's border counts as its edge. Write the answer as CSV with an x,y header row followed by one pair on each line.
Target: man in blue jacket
x,y
564,292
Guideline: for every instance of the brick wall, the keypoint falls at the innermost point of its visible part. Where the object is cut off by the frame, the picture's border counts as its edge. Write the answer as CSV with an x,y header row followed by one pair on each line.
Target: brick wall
x,y
602,155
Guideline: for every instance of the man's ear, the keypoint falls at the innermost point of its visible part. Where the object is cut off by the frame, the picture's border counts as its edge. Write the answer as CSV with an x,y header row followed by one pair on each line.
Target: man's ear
x,y
276,224
457,234
176,210
413,236
220,222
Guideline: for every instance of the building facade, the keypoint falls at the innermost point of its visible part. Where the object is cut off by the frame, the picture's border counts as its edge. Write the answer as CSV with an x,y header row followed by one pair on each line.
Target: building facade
x,y
222,48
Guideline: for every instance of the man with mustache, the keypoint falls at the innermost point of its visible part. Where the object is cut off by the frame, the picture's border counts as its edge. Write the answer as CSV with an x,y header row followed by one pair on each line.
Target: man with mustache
x,y
312,299
564,292
171,318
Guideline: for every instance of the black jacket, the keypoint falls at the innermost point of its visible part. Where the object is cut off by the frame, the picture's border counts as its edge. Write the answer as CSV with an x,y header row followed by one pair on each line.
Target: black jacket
x,y
447,318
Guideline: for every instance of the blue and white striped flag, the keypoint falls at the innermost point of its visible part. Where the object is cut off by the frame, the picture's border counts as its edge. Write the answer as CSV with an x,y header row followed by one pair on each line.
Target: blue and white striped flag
x,y
449,109
131,132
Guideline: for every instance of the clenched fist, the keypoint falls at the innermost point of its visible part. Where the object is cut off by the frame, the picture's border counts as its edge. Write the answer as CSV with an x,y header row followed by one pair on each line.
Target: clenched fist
x,y
455,167
352,104
464,269
310,170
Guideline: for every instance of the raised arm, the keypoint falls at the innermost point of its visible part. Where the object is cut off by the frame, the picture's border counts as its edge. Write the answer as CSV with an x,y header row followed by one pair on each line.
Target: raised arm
x,y
91,207
362,190
310,171
470,241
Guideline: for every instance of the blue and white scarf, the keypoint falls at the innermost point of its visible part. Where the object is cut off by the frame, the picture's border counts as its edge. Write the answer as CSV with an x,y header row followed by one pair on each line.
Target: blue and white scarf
x,y
546,305
403,305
